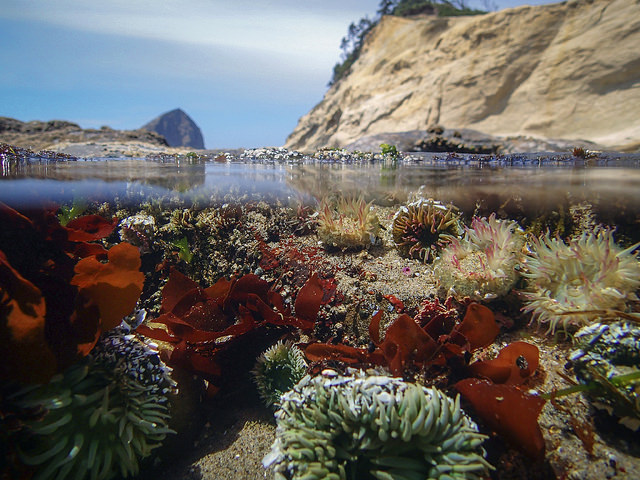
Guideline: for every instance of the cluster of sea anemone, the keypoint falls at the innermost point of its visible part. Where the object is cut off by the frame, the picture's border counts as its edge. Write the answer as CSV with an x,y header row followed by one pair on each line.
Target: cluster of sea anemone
x,y
421,225
339,427
347,223
484,263
581,282
277,370
102,415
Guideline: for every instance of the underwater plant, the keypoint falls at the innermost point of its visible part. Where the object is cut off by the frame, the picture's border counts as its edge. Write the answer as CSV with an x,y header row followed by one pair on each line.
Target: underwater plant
x,y
483,264
48,322
202,323
578,283
419,226
277,370
76,209
184,252
604,354
102,415
373,426
347,224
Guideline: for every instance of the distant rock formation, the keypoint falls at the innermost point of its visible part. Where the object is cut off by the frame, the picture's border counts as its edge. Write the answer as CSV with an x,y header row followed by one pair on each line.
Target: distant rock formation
x,y
178,128
567,70
38,135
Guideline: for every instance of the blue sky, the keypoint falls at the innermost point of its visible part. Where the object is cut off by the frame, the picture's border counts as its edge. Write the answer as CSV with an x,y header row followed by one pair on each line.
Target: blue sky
x,y
244,70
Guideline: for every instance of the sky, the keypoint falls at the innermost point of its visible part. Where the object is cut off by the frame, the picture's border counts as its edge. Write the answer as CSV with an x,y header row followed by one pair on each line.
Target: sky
x,y
244,70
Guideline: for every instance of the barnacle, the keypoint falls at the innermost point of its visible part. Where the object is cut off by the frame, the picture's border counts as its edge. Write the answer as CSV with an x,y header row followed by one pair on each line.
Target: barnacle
x,y
102,415
277,370
573,284
483,264
359,426
419,226
604,354
347,223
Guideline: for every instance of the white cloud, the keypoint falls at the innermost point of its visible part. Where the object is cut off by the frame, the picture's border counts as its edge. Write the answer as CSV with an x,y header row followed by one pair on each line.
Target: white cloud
x,y
283,30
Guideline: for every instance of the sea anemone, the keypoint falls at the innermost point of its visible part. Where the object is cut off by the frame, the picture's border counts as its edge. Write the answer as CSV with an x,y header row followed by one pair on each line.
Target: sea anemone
x,y
277,370
373,426
605,354
347,224
580,282
419,226
102,415
483,264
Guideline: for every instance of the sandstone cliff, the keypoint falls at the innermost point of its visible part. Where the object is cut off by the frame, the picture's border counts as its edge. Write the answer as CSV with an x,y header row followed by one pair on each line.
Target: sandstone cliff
x,y
568,70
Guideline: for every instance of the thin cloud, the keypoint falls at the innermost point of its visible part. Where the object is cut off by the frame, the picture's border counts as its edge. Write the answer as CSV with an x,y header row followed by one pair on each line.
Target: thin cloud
x,y
297,35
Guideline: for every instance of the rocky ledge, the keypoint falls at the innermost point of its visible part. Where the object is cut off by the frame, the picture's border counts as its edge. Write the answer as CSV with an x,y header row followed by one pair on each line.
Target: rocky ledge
x,y
54,134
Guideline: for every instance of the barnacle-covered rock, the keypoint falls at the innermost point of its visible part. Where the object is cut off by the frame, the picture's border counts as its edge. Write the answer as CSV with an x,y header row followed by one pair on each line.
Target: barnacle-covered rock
x,y
277,370
483,264
138,230
373,426
102,415
579,282
419,226
607,357
347,224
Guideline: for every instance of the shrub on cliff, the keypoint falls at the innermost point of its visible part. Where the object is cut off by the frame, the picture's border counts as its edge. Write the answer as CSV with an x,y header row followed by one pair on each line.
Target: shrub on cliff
x,y
351,44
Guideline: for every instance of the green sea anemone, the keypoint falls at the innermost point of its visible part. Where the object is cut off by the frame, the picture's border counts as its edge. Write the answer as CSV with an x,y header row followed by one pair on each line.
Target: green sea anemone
x,y
483,264
277,370
102,415
347,224
605,354
580,282
419,226
373,427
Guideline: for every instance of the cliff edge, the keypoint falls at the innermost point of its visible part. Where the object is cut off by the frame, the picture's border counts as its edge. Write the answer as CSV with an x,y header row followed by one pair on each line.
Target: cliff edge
x,y
568,70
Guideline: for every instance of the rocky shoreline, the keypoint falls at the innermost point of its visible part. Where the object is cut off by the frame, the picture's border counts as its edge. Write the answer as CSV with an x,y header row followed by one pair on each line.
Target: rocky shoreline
x,y
228,435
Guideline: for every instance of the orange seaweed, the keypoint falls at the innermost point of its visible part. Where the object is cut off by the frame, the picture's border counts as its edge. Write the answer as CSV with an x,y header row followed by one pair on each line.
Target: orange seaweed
x,y
479,326
28,357
89,227
204,323
514,364
508,411
114,286
309,299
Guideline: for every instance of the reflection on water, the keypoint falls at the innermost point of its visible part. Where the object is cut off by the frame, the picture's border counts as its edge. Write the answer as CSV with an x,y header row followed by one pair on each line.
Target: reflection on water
x,y
519,189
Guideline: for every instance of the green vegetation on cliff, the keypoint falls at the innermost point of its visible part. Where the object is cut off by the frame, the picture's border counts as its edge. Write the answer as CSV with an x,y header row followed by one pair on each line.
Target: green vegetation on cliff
x,y
351,44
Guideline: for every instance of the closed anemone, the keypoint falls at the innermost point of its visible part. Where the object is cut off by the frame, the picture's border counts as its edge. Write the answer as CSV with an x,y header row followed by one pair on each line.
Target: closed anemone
x,y
373,427
102,415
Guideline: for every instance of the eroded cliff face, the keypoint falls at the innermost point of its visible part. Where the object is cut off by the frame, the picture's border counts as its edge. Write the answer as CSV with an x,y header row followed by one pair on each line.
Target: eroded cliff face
x,y
569,70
